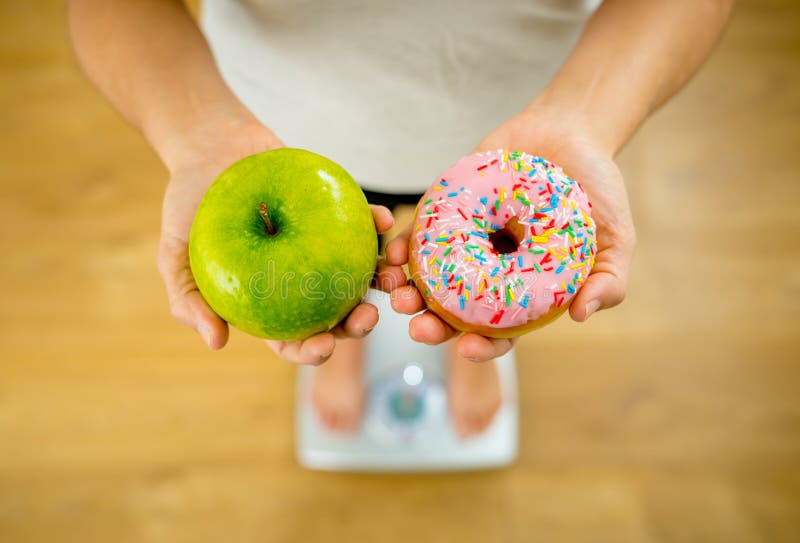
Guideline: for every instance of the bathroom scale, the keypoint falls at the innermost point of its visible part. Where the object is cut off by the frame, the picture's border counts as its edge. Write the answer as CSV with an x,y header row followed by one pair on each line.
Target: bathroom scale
x,y
406,425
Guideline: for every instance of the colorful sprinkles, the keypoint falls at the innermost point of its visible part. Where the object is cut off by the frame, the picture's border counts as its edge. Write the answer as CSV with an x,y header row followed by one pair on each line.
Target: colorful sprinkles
x,y
463,265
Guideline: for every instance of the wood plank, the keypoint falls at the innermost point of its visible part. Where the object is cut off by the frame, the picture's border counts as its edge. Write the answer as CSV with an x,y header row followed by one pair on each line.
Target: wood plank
x,y
672,418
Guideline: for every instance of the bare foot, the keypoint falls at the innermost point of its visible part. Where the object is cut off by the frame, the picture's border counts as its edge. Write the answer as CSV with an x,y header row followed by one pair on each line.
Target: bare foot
x,y
338,388
473,392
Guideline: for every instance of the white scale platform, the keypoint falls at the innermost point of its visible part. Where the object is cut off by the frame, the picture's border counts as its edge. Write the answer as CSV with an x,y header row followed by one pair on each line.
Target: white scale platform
x,y
406,425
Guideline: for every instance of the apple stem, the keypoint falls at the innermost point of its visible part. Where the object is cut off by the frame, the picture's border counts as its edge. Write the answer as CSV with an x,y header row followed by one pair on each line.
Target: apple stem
x,y
262,210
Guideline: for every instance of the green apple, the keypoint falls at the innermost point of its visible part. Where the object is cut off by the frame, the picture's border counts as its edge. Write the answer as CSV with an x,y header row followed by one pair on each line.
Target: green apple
x,y
283,244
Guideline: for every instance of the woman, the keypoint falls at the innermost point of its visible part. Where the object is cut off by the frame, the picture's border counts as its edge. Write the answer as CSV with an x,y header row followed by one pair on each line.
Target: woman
x,y
395,92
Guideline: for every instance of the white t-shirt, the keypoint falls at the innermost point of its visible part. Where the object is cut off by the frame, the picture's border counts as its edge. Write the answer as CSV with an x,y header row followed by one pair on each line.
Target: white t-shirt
x,y
393,90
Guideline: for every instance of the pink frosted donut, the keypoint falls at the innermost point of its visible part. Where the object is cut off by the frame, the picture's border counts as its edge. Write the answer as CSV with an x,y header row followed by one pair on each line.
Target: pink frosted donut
x,y
501,243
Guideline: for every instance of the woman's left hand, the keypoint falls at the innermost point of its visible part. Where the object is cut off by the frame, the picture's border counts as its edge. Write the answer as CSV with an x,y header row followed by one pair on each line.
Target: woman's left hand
x,y
562,139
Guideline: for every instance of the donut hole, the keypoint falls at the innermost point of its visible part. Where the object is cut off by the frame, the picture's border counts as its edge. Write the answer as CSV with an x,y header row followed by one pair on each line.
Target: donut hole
x,y
508,238
503,242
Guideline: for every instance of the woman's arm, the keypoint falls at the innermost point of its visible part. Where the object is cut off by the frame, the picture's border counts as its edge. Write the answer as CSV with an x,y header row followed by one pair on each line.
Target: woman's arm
x,y
631,58
151,61
153,64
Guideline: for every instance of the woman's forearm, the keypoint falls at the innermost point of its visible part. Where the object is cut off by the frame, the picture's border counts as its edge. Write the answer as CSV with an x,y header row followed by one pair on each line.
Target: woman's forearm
x,y
153,64
632,57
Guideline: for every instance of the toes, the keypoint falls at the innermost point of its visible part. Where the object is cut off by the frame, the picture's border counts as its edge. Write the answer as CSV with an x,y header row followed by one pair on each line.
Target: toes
x,y
347,420
464,421
327,417
320,408
339,418
487,416
476,423
327,414
470,422
334,413
333,419
460,424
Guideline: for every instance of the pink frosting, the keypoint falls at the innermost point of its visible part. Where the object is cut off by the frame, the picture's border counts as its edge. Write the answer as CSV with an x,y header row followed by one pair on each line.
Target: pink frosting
x,y
456,258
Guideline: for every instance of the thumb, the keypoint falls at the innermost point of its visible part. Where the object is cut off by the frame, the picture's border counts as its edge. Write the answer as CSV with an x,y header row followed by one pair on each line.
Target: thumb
x,y
606,284
185,301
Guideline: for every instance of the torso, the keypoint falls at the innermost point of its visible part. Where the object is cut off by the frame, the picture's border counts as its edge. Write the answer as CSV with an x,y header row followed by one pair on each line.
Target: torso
x,y
394,91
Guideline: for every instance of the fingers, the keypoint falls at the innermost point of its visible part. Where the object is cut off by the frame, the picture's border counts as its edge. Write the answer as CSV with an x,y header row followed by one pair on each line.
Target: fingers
x,y
186,304
429,329
606,284
601,291
192,310
397,249
359,322
382,217
313,351
319,348
407,299
389,278
481,349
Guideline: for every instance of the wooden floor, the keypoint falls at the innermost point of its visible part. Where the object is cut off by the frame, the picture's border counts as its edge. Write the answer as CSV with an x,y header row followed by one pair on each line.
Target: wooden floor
x,y
675,417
